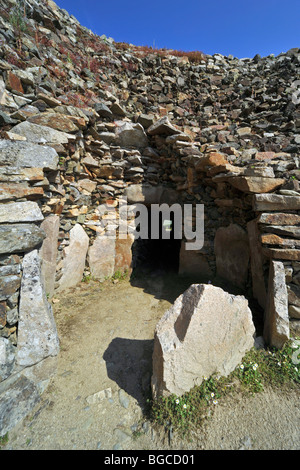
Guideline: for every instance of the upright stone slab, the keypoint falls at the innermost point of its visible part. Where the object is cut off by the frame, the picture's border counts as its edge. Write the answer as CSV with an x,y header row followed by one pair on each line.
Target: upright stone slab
x,y
7,358
193,263
206,331
123,256
37,334
256,262
74,258
48,252
232,254
101,257
276,322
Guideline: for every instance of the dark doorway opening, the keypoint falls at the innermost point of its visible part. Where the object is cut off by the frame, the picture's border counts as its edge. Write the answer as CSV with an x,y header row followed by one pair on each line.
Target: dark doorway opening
x,y
157,255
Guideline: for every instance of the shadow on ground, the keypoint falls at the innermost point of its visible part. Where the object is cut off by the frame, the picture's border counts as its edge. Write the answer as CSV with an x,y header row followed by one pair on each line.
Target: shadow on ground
x,y
129,361
129,364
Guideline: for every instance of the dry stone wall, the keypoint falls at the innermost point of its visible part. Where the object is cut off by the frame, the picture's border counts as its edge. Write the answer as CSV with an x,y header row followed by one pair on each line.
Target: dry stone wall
x,y
86,122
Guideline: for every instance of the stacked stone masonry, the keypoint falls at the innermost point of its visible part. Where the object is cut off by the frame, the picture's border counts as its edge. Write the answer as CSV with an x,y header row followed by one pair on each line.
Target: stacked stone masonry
x,y
87,122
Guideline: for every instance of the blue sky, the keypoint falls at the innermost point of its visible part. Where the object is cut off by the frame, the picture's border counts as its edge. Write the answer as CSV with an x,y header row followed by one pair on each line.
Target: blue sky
x,y
238,27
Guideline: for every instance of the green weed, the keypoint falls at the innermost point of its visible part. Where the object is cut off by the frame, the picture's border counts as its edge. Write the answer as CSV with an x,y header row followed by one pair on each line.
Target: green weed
x,y
3,440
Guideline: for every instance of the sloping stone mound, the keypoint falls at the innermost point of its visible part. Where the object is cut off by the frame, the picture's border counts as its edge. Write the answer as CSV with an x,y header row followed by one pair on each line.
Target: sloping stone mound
x,y
206,331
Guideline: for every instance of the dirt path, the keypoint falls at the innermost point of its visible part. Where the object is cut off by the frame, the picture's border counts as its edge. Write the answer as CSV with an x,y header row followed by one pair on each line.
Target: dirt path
x,y
96,399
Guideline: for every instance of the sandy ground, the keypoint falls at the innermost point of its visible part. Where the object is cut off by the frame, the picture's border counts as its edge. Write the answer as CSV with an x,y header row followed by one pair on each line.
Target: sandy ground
x,y
97,397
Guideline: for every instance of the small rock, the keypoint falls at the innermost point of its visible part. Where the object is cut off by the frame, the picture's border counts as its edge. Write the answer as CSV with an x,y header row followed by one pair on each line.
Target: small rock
x,y
123,399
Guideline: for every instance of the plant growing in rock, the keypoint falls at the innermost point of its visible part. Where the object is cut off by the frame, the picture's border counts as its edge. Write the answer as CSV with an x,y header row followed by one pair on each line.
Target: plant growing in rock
x,y
3,440
17,19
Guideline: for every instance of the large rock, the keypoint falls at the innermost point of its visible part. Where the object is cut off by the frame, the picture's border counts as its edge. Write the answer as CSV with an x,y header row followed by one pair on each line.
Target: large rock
x,y
276,321
232,254
37,334
284,253
22,391
16,402
41,134
27,154
74,258
131,135
16,238
101,257
206,331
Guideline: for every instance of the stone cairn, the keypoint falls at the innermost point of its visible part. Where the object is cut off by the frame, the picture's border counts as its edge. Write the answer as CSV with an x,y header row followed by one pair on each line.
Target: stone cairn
x,y
86,121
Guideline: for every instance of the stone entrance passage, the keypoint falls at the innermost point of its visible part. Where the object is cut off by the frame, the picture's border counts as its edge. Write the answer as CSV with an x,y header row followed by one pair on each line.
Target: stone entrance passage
x,y
161,254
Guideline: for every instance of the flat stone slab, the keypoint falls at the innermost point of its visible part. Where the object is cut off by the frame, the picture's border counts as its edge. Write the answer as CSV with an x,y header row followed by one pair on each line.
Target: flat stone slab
x,y
286,230
16,238
20,212
16,175
27,154
279,218
56,121
275,202
255,184
41,134
13,191
273,239
74,258
284,253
